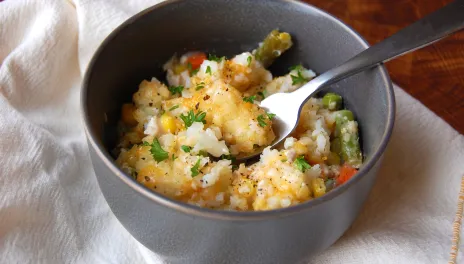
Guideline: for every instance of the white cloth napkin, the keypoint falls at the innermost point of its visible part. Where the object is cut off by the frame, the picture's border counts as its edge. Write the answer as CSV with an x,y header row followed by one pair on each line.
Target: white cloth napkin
x,y
52,211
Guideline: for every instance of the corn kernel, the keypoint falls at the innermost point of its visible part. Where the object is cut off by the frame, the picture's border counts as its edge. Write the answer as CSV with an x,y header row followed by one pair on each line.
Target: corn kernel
x,y
127,114
168,123
318,187
303,192
178,69
300,149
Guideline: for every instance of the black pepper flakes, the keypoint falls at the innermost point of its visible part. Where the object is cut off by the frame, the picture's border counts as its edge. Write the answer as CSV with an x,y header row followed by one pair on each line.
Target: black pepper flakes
x,y
150,104
147,178
197,105
206,97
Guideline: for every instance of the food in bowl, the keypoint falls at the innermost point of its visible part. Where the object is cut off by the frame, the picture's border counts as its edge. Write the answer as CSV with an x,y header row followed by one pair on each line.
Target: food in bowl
x,y
180,139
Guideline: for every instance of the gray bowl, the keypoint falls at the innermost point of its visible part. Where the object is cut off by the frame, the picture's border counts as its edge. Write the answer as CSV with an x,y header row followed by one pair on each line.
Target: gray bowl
x,y
183,233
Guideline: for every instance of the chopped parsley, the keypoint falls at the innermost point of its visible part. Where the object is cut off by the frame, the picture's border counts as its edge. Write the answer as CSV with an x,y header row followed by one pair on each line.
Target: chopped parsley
x,y
234,167
158,153
302,164
203,153
191,70
212,57
176,89
200,86
208,70
261,121
270,115
249,59
298,78
174,107
174,156
262,94
249,99
191,117
228,157
298,67
284,160
195,169
186,148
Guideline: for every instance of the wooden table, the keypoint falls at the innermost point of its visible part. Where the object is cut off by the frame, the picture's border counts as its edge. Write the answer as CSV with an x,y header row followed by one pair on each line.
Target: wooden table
x,y
435,74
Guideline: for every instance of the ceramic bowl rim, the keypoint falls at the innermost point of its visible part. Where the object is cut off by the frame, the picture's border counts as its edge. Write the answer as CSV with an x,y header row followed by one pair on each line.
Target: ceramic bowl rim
x,y
104,156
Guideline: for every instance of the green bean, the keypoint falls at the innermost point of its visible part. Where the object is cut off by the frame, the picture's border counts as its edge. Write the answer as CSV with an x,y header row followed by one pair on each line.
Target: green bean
x,y
335,146
333,158
272,47
341,117
350,151
346,141
332,101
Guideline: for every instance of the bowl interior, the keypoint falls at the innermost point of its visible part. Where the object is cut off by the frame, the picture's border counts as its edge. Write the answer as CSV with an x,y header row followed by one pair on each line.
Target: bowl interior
x,y
138,49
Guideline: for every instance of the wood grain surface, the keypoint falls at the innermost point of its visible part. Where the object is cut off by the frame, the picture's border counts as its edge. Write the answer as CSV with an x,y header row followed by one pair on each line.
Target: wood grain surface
x,y
434,74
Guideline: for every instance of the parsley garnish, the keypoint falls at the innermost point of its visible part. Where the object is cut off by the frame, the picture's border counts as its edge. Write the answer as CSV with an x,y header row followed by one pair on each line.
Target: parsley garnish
x,y
228,157
249,59
302,164
200,86
195,168
212,57
270,115
190,118
262,94
186,148
234,167
284,160
249,99
174,156
203,153
158,153
176,89
298,67
174,107
298,79
191,70
261,121
208,70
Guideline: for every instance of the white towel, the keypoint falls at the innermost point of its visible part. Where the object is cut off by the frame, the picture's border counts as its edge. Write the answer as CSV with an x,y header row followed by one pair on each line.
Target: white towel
x,y
52,211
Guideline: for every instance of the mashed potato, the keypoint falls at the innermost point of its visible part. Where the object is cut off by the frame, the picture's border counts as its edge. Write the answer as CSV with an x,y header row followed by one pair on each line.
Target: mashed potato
x,y
180,139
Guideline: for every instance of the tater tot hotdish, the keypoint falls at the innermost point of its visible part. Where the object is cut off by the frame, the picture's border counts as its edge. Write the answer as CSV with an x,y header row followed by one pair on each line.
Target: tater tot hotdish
x,y
180,138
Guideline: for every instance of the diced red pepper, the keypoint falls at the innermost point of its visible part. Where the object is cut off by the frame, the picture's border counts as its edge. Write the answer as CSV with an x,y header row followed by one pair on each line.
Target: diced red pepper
x,y
346,172
196,60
